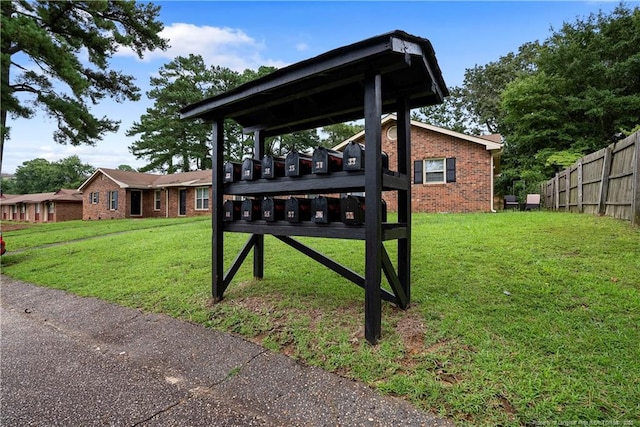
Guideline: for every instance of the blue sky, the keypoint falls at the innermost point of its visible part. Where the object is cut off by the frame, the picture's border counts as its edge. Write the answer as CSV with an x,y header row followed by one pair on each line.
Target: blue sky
x,y
245,34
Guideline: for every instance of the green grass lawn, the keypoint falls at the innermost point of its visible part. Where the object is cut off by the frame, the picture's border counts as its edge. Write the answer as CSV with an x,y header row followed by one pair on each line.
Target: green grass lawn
x,y
517,318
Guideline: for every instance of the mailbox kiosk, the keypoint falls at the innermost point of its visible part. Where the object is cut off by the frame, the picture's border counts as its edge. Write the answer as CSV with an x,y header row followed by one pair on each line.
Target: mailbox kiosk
x,y
389,73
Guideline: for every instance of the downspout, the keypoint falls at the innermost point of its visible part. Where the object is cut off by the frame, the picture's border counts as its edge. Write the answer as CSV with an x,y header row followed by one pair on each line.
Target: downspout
x,y
166,205
492,189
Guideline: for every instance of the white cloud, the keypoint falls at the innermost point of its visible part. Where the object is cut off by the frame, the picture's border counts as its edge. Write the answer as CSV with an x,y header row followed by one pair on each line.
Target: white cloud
x,y
225,47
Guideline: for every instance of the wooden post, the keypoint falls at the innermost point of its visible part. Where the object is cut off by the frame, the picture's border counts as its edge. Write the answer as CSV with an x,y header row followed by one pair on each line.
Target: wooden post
x,y
579,196
635,186
604,181
217,247
258,248
404,196
567,189
373,214
556,185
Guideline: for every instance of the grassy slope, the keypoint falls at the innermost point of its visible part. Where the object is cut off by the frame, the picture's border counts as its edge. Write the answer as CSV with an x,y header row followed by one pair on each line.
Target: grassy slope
x,y
516,318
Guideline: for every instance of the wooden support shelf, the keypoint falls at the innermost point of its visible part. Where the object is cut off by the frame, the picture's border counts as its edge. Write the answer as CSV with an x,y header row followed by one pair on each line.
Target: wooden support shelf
x,y
390,231
337,182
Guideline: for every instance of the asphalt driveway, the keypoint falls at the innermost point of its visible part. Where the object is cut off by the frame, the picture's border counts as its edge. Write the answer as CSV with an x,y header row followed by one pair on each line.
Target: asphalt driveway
x,y
72,361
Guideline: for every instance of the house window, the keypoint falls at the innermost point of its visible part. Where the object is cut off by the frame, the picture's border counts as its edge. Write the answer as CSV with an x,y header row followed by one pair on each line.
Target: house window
x,y
156,200
392,133
94,198
434,171
202,198
51,208
112,201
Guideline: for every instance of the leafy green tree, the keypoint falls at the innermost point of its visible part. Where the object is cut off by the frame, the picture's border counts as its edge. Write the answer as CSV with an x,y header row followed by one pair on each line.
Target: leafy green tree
x,y
8,186
170,144
583,95
339,132
453,114
60,51
474,107
166,142
483,85
34,176
42,176
71,172
302,141
126,168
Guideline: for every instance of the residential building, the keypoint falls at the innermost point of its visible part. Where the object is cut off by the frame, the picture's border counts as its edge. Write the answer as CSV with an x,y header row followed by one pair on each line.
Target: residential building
x,y
116,194
451,171
62,205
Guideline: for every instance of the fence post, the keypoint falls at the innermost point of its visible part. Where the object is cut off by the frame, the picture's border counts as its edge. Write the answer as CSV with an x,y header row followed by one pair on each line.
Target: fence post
x,y
635,186
556,196
567,189
604,182
579,201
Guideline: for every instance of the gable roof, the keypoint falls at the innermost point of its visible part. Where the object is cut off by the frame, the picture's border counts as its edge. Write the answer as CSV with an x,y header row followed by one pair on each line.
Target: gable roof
x,y
328,88
139,180
490,142
63,195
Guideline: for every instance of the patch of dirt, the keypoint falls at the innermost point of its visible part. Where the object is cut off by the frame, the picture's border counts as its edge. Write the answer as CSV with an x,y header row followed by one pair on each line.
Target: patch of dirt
x,y
448,378
504,404
258,304
411,329
436,347
7,226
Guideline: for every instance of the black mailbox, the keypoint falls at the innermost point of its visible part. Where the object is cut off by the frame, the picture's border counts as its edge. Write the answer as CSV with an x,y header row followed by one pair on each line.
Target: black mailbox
x,y
326,161
353,158
352,210
297,209
272,209
250,169
250,210
272,167
325,209
232,172
231,210
297,164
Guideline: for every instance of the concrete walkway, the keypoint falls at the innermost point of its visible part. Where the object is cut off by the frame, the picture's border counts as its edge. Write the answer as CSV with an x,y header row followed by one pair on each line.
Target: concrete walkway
x,y
72,361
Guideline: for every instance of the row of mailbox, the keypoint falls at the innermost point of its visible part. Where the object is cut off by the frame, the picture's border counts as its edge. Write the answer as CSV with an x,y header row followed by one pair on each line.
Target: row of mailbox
x,y
320,210
323,161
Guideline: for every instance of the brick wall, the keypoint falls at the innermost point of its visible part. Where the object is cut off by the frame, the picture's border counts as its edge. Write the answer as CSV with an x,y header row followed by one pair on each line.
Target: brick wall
x,y
174,200
169,197
65,211
100,210
472,190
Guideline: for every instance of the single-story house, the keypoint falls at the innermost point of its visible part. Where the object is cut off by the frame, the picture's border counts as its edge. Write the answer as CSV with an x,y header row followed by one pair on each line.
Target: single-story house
x,y
451,171
115,194
62,205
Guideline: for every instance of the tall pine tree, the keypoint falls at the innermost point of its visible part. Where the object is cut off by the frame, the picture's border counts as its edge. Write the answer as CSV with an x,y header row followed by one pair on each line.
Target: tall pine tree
x,y
41,45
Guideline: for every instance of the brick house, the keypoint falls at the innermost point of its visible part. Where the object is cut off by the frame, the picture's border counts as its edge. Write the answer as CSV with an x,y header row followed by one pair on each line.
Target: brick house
x,y
451,171
116,194
62,205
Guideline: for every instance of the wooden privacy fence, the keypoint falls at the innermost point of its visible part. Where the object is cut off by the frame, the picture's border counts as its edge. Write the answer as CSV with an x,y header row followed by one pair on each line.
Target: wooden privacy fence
x,y
606,182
